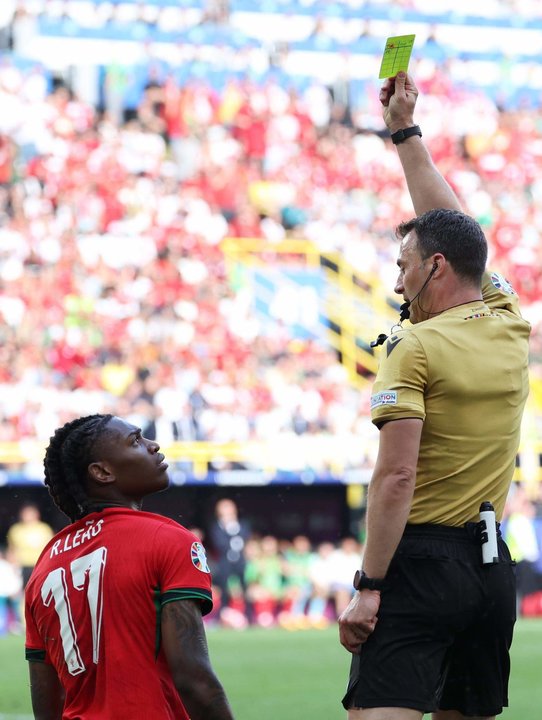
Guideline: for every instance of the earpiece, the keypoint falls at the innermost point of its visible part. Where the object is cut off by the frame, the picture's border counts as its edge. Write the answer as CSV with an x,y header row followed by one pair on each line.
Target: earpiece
x,y
405,311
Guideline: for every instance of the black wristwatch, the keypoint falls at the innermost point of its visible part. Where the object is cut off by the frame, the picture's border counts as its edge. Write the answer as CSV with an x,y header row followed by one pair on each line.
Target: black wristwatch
x,y
401,135
362,582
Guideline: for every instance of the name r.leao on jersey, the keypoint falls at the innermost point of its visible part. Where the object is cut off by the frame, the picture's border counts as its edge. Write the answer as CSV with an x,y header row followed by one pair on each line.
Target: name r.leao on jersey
x,y
78,538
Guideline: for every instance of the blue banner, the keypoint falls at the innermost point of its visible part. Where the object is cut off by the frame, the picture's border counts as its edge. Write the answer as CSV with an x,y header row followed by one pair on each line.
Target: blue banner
x,y
292,298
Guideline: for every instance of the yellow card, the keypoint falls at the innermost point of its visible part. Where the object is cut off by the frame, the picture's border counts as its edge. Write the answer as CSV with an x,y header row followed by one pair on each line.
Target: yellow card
x,y
396,55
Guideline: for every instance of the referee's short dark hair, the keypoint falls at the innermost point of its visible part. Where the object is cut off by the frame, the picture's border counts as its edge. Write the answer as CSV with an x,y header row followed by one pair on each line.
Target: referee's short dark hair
x,y
457,236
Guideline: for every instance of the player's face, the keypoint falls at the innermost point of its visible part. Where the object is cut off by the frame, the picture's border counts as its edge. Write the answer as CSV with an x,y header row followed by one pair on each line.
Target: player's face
x,y
412,274
135,462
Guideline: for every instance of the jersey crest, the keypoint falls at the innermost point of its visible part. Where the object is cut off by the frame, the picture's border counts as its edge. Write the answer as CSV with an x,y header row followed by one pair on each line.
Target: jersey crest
x,y
199,558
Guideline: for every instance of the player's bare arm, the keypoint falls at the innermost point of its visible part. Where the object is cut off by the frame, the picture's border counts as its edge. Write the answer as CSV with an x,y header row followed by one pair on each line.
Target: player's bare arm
x,y
388,505
185,646
46,692
427,187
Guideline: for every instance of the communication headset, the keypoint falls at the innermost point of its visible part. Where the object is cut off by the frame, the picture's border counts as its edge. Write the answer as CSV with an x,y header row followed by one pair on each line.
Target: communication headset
x,y
404,313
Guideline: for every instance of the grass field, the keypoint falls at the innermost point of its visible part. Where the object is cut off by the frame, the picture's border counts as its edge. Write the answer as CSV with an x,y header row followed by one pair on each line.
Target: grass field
x,y
279,675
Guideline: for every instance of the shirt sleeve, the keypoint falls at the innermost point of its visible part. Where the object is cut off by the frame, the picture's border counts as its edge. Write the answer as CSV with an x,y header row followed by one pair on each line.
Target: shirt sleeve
x,y
399,388
183,571
499,294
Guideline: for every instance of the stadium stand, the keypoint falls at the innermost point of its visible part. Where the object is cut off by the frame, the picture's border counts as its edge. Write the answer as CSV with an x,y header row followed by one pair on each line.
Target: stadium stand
x,y
195,218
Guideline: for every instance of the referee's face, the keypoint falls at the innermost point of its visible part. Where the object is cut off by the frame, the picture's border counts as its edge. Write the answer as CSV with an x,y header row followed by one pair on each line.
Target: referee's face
x,y
413,273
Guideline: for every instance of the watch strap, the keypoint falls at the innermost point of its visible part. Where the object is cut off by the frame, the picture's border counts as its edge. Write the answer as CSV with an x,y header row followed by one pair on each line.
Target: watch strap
x,y
401,135
362,582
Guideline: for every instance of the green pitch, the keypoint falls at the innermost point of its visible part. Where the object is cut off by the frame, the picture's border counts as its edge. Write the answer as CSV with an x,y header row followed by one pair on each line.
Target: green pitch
x,y
273,673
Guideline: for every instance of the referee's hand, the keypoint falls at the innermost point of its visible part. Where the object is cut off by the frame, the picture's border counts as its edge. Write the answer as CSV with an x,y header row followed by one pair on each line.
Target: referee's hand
x,y
398,97
358,621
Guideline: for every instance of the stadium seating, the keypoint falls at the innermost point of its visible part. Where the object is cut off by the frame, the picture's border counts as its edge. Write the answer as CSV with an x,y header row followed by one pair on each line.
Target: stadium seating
x,y
126,225
310,35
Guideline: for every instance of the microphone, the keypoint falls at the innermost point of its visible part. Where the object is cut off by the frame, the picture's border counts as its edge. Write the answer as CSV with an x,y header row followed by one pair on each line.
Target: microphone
x,y
404,310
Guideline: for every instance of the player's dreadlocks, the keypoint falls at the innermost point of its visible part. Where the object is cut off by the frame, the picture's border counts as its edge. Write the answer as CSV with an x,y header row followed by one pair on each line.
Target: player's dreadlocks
x,y
67,459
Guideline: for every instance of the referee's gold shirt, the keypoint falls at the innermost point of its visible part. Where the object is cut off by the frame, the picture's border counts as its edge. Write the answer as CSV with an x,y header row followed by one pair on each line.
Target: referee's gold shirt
x,y
465,374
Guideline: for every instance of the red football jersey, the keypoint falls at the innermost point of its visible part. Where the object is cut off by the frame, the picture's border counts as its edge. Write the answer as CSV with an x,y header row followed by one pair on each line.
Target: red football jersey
x,y
93,607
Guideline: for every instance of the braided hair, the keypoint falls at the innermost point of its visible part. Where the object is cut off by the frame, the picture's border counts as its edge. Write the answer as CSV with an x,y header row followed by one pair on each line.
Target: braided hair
x,y
66,463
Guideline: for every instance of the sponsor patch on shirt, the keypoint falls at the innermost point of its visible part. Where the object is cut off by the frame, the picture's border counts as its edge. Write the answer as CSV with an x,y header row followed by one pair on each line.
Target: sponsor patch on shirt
x,y
502,284
385,397
199,558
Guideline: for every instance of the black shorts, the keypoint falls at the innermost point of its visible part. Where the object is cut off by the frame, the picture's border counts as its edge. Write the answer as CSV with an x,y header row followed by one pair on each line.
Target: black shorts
x,y
444,628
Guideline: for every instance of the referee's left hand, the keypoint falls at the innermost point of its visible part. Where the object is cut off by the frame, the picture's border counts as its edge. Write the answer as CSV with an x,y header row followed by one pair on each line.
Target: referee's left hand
x,y
358,621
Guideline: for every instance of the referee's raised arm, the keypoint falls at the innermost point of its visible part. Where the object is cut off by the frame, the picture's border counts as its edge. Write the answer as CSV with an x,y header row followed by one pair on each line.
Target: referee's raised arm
x,y
426,185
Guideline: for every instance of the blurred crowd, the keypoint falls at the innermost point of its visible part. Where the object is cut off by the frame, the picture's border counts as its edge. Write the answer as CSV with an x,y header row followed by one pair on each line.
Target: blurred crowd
x,y
298,584
114,289
116,295
266,581
24,542
256,579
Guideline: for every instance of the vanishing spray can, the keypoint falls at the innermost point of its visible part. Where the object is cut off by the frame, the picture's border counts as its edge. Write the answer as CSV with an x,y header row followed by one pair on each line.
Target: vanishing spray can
x,y
490,551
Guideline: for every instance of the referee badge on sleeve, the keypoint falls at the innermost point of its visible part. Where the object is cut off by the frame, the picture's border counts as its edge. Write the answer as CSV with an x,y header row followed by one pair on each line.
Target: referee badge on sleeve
x,y
502,284
385,397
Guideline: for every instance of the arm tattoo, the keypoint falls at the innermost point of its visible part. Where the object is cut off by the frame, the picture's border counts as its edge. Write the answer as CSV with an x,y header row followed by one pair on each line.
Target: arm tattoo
x,y
189,628
185,645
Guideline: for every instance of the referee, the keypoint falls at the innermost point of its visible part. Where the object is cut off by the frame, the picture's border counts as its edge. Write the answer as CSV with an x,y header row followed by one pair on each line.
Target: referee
x,y
430,625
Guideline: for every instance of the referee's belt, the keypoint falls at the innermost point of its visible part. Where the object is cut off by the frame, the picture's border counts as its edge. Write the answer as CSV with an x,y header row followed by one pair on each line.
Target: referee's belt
x,y
470,531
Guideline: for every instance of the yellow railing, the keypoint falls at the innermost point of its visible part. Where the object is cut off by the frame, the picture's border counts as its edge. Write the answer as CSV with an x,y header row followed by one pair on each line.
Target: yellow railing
x,y
324,454
282,453
360,310
356,306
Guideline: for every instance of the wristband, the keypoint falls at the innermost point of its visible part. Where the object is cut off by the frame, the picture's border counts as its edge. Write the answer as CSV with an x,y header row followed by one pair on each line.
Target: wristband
x,y
362,582
401,135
